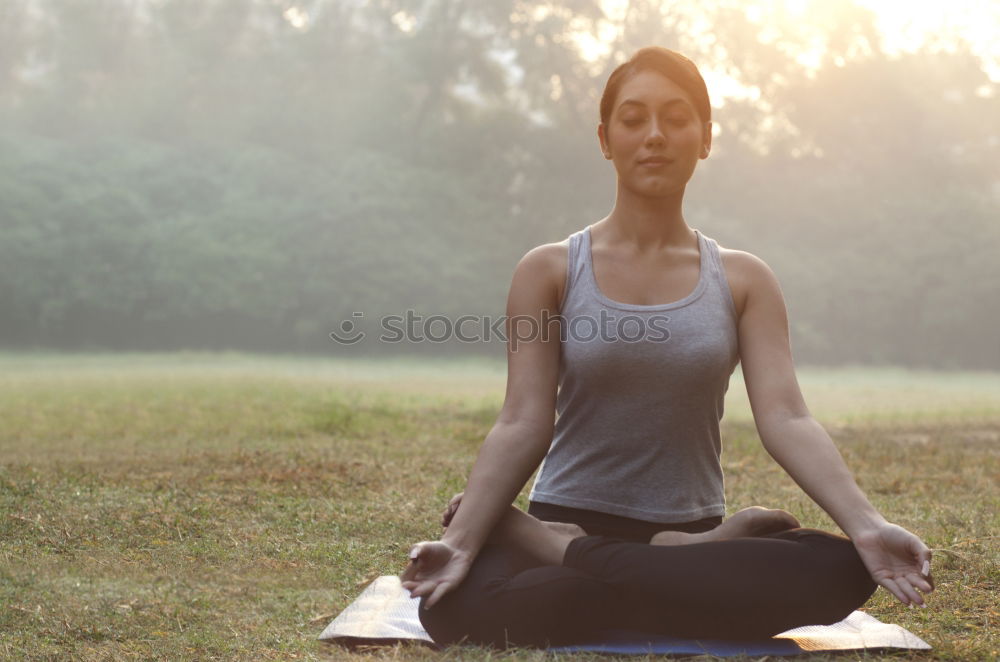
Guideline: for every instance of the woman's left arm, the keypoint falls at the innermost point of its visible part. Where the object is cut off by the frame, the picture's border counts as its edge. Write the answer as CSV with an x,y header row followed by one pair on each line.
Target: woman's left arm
x,y
896,559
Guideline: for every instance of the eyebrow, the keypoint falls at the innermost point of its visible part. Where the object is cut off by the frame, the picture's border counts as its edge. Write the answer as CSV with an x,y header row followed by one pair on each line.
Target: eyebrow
x,y
672,102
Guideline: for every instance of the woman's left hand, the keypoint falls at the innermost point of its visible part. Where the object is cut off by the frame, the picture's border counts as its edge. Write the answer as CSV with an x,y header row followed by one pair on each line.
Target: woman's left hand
x,y
897,560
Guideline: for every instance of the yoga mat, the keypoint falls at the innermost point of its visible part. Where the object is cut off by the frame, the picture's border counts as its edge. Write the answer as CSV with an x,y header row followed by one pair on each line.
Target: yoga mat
x,y
384,613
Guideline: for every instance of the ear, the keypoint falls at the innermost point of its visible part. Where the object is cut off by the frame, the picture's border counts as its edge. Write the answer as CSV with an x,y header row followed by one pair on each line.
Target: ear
x,y
602,136
706,140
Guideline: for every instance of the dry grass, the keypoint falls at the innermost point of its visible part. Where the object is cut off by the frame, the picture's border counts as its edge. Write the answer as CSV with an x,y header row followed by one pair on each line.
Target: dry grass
x,y
226,507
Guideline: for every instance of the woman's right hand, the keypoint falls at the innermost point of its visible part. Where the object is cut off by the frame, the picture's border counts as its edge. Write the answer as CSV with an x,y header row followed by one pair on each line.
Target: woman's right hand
x,y
435,568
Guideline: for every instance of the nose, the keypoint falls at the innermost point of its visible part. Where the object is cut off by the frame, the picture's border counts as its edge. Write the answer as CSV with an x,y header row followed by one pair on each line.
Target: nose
x,y
656,135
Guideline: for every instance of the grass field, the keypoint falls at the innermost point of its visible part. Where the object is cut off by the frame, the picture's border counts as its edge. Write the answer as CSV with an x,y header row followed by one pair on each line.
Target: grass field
x,y
226,507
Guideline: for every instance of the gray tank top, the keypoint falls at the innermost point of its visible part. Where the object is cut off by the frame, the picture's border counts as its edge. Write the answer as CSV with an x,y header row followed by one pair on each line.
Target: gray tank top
x,y
641,391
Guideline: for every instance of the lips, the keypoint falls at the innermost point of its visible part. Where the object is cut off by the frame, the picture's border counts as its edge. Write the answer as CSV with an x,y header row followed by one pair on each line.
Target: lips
x,y
655,161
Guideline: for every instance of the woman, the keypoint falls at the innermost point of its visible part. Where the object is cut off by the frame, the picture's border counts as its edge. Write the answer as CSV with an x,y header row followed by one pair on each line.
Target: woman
x,y
631,484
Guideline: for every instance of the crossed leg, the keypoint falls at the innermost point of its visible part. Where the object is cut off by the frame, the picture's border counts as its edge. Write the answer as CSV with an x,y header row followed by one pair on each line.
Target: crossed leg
x,y
539,585
731,589
547,541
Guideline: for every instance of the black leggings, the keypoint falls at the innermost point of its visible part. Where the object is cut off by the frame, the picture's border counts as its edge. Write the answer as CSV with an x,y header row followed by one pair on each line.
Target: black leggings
x,y
732,589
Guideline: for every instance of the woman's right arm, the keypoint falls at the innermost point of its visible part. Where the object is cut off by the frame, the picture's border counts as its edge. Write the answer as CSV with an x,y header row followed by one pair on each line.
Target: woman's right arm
x,y
521,435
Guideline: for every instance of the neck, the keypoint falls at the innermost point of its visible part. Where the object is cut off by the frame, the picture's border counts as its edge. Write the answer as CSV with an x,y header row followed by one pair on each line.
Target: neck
x,y
648,222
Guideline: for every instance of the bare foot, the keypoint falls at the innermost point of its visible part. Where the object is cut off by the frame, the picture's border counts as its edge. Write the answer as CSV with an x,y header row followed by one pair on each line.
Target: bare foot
x,y
757,521
566,528
747,523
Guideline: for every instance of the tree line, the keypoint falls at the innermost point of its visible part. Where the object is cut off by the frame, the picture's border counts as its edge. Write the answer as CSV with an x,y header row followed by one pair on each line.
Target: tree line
x,y
248,174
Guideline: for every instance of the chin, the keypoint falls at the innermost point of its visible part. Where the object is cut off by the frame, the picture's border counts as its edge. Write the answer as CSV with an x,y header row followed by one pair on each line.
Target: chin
x,y
657,189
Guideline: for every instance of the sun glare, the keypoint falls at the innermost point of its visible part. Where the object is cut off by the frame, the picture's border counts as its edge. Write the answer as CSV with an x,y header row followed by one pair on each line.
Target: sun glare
x,y
904,25
296,17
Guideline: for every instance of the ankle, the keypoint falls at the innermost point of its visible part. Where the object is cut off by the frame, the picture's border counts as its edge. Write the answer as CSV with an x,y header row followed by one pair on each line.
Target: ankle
x,y
674,538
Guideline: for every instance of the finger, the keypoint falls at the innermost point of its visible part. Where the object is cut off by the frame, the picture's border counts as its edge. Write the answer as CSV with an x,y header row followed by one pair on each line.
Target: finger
x,y
920,552
891,586
925,562
914,596
413,568
439,591
418,588
919,582
924,582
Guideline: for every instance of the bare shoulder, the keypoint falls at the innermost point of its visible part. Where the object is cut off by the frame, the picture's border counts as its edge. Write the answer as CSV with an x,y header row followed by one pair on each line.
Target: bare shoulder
x,y
746,274
543,269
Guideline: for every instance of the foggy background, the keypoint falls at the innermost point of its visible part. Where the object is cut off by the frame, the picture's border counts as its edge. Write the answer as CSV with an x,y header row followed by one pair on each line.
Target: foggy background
x,y
247,174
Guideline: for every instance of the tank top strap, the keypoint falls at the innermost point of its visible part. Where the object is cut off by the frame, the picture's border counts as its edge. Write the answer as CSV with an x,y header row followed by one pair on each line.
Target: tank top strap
x,y
576,264
717,273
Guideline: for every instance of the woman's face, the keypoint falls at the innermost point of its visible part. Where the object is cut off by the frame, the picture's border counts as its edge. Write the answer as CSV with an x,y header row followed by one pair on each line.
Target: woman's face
x,y
654,135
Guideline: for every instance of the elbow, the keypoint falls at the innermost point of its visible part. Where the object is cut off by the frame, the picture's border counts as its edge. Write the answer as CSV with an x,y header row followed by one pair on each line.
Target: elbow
x,y
532,430
778,427
529,419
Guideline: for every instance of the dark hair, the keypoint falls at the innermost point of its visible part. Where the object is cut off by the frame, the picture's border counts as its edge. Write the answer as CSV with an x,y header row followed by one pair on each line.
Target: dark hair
x,y
671,64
